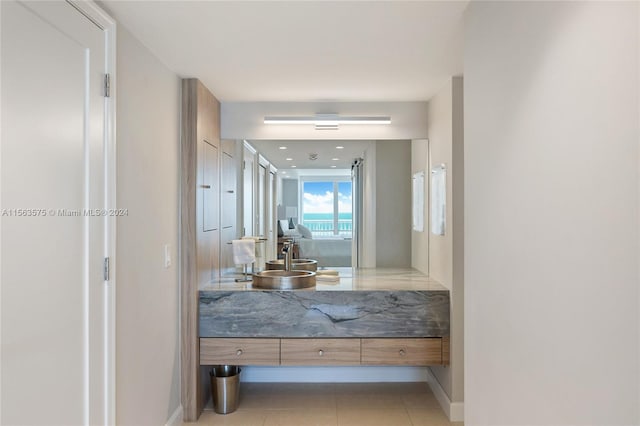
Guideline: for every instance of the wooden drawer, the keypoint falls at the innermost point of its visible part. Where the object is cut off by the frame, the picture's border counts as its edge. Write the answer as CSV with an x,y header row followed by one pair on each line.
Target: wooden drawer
x,y
422,351
320,351
239,351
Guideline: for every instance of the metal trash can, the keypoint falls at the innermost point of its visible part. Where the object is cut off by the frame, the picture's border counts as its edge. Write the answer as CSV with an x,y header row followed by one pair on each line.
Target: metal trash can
x,y
225,388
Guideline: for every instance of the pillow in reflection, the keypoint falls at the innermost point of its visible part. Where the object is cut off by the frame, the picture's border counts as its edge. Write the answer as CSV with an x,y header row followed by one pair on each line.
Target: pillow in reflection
x,y
304,231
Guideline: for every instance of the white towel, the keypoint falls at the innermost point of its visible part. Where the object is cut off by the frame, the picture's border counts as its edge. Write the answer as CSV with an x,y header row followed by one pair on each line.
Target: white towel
x,y
259,245
244,251
328,278
331,272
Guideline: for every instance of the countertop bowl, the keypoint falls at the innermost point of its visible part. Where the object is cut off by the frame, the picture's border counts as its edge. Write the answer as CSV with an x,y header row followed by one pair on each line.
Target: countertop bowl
x,y
284,280
296,265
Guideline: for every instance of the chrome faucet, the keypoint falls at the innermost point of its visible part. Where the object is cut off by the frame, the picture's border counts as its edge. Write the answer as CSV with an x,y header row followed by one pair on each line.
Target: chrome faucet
x,y
288,255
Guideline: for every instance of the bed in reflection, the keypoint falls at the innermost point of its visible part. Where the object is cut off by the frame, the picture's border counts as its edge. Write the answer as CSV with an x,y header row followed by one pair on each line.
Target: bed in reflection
x,y
329,252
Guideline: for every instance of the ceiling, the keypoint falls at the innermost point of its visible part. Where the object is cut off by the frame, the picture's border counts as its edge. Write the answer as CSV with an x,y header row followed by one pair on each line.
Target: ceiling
x,y
303,50
299,150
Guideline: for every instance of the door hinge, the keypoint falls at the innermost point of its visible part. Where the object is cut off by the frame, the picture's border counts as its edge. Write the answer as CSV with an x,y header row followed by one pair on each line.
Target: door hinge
x,y
107,85
106,269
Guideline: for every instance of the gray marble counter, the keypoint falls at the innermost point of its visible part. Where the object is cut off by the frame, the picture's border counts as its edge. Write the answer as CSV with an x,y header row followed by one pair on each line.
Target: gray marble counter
x,y
351,279
369,303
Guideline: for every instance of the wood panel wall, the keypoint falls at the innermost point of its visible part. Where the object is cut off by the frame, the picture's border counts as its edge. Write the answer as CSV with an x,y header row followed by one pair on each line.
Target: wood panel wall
x,y
199,249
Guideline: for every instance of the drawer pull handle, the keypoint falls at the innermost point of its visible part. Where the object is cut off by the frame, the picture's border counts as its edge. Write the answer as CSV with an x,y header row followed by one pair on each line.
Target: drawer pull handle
x,y
239,352
320,352
401,352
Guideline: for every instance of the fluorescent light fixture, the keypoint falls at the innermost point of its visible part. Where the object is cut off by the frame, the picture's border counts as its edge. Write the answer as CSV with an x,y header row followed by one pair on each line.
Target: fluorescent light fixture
x,y
333,167
327,121
293,167
335,159
283,147
339,147
289,159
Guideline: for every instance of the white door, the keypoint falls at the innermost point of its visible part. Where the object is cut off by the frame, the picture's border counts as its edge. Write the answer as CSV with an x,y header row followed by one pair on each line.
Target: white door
x,y
248,194
270,210
261,210
54,295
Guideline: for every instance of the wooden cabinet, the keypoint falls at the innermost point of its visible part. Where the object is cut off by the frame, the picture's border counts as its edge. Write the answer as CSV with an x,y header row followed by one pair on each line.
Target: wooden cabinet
x,y
320,352
199,225
240,351
346,351
228,202
228,191
402,351
210,187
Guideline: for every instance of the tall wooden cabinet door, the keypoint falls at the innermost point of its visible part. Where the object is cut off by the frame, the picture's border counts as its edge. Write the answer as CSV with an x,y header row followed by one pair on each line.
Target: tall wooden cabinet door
x,y
228,191
210,188
226,252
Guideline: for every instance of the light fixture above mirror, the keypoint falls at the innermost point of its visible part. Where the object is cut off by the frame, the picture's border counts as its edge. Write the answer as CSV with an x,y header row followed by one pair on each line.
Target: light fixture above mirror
x,y
327,121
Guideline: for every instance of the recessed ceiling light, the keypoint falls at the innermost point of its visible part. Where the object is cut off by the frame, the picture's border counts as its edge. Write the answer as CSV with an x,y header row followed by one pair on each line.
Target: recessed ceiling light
x,y
339,147
289,159
333,167
293,167
283,147
335,159
284,173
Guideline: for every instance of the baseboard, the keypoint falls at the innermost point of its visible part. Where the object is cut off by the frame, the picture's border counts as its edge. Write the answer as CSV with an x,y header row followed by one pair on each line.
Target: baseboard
x,y
453,410
176,418
361,374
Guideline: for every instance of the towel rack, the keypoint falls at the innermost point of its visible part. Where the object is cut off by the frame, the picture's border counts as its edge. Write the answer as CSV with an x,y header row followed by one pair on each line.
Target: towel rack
x,y
245,278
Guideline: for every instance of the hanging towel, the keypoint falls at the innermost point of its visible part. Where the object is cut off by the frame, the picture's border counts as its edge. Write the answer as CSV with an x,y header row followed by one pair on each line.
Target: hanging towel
x,y
244,251
259,245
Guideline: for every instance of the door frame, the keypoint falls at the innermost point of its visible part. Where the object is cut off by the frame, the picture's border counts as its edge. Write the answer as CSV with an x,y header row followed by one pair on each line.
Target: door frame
x,y
108,25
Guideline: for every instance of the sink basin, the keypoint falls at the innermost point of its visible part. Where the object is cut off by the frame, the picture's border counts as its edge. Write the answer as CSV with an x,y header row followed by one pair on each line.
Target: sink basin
x,y
284,280
296,265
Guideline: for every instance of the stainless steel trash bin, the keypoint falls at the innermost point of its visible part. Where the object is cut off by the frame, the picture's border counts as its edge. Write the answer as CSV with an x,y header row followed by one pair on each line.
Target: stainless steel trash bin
x,y
225,388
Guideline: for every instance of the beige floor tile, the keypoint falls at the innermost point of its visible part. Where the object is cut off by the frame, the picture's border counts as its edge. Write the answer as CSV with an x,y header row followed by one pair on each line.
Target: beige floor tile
x,y
255,401
365,388
373,417
237,418
302,417
320,404
428,417
302,400
305,387
286,396
417,388
374,401
420,400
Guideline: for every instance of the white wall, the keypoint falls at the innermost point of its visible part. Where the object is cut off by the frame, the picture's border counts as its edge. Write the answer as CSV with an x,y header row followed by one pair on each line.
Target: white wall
x,y
147,363
446,252
420,240
369,244
244,120
393,204
551,200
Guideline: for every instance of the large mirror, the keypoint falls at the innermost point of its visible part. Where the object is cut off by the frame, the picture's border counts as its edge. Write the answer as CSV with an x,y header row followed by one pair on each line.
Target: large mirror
x,y
344,203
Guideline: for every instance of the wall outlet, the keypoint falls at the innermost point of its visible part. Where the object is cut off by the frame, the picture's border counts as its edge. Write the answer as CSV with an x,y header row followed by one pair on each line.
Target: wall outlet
x,y
167,256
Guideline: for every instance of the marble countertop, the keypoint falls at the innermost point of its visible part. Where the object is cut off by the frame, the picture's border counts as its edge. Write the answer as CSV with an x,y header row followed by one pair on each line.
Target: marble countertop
x,y
351,279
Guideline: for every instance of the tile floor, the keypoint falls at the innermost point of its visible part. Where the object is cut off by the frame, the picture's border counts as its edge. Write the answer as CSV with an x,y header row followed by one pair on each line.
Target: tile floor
x,y
332,404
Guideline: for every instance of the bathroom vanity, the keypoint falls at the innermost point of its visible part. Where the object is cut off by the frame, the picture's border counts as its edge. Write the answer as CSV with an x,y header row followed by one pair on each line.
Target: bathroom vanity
x,y
369,317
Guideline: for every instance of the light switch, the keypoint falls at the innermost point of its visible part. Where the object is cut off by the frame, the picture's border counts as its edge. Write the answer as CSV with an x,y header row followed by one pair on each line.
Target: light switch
x,y
167,256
